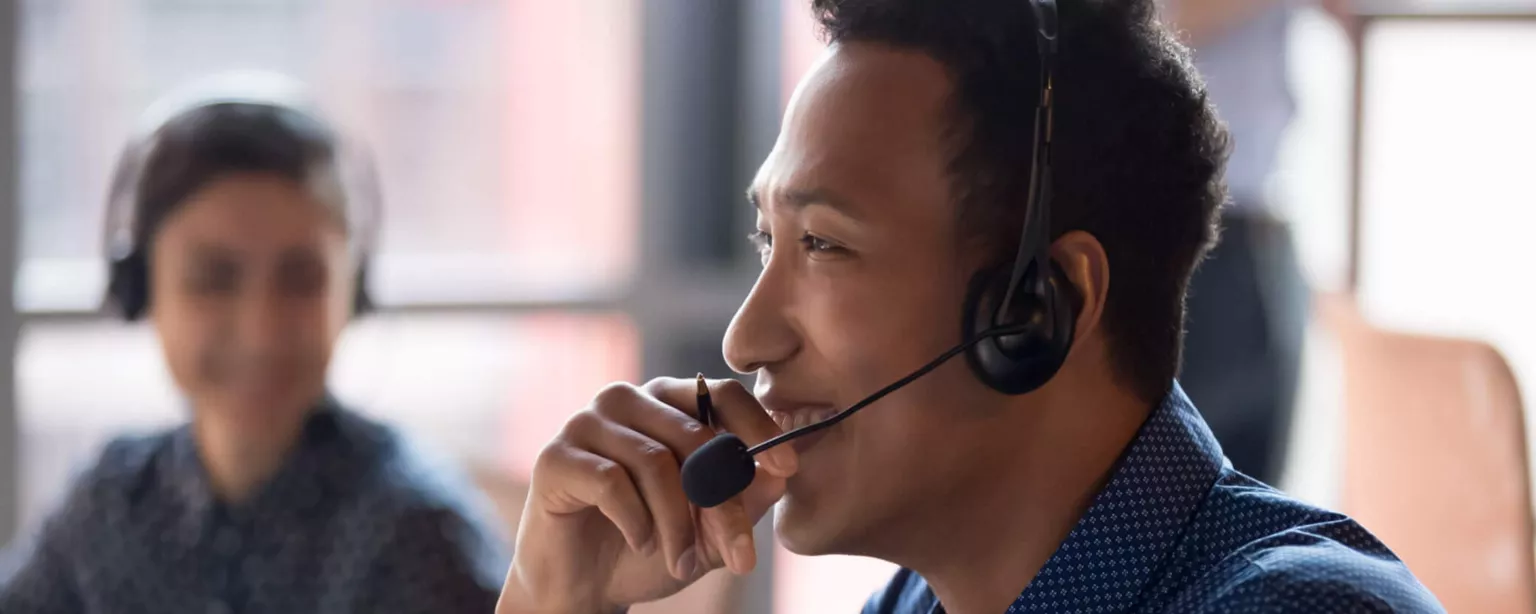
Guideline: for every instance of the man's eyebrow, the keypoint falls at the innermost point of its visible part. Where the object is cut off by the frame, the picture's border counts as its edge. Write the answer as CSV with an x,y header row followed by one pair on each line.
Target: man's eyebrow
x,y
802,198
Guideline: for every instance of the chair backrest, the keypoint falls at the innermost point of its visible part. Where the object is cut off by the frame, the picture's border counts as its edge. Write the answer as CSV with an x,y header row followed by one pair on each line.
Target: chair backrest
x,y
716,593
1435,461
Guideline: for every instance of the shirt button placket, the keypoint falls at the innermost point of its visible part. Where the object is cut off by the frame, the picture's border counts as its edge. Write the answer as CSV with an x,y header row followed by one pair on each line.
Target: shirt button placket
x,y
227,546
227,542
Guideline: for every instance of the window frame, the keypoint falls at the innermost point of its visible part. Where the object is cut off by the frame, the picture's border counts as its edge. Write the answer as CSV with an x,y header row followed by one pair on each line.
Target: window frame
x,y
10,231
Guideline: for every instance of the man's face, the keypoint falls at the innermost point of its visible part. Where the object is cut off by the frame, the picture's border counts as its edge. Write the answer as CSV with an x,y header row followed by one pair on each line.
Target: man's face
x,y
863,280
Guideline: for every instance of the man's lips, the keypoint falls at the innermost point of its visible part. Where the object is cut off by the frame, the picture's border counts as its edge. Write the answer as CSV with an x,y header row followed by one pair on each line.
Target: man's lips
x,y
791,418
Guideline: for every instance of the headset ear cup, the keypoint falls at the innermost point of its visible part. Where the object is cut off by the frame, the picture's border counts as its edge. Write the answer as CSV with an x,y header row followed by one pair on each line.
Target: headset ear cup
x,y
128,285
1018,364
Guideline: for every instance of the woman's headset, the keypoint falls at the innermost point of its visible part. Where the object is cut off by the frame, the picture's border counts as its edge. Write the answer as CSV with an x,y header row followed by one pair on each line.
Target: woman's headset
x,y
1035,293
348,175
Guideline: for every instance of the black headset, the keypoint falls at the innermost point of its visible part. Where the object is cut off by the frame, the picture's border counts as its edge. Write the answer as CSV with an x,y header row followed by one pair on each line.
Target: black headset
x,y
128,273
1035,295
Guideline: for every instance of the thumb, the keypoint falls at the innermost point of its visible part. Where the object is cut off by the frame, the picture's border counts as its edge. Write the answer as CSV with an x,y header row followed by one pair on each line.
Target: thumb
x,y
729,527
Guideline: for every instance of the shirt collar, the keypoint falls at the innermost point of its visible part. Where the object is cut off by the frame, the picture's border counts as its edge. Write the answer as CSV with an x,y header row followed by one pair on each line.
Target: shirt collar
x,y
1126,536
303,479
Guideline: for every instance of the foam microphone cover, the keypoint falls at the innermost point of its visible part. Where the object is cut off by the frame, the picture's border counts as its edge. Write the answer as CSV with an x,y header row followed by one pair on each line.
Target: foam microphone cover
x,y
717,471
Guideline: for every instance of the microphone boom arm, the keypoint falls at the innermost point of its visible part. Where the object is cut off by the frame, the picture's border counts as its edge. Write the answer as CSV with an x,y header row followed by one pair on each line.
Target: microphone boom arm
x,y
1000,331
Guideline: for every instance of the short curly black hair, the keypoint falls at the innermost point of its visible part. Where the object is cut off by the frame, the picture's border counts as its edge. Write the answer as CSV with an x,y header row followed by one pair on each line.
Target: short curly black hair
x,y
1138,152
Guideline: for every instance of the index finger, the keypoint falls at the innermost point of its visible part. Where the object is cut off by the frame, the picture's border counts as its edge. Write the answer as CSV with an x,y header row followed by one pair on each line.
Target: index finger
x,y
738,412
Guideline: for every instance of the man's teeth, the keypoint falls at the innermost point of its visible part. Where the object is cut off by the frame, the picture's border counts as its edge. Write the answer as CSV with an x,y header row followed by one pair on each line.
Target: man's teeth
x,y
801,418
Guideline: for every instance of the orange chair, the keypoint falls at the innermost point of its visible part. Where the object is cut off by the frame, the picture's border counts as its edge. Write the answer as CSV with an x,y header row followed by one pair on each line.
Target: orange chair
x,y
716,593
1435,461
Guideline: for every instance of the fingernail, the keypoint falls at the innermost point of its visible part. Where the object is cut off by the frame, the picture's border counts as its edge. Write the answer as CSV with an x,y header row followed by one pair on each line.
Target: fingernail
x,y
687,565
742,553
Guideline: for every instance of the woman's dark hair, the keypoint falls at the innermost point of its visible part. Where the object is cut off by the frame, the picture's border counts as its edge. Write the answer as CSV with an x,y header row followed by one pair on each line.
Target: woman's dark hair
x,y
1138,152
209,142
206,142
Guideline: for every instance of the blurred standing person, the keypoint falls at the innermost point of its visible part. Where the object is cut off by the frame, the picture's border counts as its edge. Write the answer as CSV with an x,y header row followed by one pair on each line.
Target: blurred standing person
x,y
1248,302
245,242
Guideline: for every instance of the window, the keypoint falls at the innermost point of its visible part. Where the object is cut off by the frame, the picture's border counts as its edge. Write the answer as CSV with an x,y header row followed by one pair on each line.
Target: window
x,y
1447,196
472,109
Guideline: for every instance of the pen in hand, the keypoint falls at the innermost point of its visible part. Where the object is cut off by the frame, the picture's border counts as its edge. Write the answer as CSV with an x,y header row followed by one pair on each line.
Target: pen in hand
x,y
706,404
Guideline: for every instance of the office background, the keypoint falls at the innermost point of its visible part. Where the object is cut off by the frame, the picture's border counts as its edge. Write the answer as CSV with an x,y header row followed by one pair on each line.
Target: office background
x,y
563,184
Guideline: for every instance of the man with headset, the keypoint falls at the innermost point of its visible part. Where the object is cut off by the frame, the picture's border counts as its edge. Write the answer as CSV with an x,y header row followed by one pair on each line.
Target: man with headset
x,y
1058,467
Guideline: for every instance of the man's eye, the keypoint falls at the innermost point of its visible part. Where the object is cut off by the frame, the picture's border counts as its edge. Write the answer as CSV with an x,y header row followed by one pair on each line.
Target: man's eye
x,y
815,244
812,244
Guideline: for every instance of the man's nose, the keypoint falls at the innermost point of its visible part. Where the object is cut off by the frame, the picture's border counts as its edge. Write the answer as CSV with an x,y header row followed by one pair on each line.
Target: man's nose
x,y
761,333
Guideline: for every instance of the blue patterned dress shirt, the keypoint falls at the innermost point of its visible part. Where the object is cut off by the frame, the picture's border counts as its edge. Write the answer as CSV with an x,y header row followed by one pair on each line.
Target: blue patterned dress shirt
x,y
355,521
1176,529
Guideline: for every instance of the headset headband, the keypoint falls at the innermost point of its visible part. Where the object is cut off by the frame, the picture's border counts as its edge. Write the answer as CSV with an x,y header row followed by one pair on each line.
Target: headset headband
x,y
1034,237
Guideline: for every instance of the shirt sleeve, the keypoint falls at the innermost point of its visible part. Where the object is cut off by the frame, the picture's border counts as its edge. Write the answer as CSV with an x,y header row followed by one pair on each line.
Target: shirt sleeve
x,y
436,561
37,573
35,577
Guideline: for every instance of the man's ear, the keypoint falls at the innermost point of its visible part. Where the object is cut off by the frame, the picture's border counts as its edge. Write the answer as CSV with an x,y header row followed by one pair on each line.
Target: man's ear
x,y
1082,258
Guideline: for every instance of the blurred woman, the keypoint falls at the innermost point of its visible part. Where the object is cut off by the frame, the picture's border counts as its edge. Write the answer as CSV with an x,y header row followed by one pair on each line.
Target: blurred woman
x,y
245,248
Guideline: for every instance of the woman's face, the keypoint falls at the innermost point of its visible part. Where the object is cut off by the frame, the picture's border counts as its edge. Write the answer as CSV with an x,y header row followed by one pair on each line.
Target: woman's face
x,y
251,283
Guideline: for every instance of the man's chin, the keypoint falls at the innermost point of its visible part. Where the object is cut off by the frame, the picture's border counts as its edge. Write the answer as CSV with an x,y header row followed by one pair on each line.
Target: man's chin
x,y
804,530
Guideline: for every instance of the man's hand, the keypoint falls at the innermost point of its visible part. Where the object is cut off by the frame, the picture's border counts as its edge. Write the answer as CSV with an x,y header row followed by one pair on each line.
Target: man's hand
x,y
607,524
